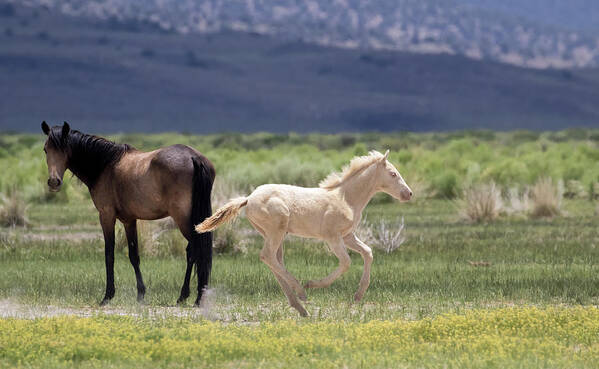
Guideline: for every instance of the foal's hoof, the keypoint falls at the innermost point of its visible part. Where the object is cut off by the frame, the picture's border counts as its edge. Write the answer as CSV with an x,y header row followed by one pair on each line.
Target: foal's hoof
x,y
302,312
302,296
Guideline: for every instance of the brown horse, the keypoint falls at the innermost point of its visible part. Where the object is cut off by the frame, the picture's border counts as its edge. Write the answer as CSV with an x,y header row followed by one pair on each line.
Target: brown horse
x,y
127,184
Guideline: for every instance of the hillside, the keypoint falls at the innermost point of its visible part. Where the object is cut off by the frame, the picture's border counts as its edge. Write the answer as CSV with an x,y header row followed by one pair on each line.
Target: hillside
x,y
110,76
532,33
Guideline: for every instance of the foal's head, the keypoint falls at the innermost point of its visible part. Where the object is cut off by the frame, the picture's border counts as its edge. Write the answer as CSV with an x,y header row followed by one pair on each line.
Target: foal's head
x,y
390,181
56,149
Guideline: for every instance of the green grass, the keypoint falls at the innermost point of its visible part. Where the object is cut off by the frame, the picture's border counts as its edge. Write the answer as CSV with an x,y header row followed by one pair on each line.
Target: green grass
x,y
540,262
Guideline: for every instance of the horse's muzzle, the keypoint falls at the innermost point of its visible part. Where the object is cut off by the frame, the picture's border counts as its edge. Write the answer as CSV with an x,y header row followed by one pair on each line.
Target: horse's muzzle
x,y
54,184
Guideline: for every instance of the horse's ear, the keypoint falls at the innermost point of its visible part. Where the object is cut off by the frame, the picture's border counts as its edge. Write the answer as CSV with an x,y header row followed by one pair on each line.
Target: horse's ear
x,y
386,155
45,128
65,130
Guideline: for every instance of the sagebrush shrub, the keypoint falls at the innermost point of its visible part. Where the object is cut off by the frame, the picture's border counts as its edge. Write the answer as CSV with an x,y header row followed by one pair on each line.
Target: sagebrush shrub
x,y
13,210
481,203
546,198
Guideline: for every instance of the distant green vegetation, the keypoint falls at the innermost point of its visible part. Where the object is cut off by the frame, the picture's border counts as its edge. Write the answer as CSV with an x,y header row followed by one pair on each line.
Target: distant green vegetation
x,y
435,164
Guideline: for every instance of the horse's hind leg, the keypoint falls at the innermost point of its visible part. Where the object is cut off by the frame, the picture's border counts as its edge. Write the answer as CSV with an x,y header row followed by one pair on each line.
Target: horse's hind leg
x,y
182,221
185,288
338,248
131,232
355,244
269,256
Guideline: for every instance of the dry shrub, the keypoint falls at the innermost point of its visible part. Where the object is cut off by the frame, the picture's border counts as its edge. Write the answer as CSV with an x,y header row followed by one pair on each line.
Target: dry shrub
x,y
162,238
481,203
224,190
155,238
383,236
546,196
13,210
228,240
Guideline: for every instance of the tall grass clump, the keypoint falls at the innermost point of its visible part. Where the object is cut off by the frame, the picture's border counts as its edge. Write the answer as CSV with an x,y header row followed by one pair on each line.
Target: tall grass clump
x,y
13,210
546,196
481,203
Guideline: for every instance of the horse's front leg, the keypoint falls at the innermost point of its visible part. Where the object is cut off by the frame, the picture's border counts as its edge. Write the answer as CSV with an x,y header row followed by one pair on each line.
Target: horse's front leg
x,y
107,221
131,232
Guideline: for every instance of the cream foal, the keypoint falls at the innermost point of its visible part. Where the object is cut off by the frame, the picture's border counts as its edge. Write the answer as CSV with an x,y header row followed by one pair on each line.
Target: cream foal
x,y
330,213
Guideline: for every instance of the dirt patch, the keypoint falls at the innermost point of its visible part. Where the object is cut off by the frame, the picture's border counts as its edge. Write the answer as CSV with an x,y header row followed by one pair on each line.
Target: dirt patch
x,y
10,308
71,237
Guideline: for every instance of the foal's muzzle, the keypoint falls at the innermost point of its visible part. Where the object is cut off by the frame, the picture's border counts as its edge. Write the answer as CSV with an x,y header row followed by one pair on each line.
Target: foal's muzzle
x,y
54,184
406,194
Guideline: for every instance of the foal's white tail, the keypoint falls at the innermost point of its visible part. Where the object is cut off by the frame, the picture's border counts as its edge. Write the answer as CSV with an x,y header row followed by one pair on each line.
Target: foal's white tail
x,y
226,213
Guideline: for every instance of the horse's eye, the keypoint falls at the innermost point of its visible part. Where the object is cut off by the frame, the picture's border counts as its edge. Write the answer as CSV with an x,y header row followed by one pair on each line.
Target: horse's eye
x,y
393,174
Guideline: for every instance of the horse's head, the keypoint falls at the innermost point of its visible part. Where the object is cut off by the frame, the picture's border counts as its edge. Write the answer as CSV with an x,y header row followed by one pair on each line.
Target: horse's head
x,y
56,150
391,182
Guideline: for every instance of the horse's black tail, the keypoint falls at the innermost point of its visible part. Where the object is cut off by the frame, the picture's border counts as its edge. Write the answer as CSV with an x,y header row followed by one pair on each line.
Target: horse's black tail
x,y
201,208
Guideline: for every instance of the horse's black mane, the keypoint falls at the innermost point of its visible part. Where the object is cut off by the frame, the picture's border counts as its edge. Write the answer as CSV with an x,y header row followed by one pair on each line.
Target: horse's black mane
x,y
88,155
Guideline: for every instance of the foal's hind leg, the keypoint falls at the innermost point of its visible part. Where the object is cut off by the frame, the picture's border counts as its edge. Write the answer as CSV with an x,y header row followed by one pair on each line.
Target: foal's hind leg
x,y
338,248
284,285
131,232
269,256
355,244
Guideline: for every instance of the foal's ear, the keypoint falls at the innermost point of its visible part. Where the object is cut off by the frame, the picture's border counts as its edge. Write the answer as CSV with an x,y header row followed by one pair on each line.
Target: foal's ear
x,y
386,155
45,128
65,130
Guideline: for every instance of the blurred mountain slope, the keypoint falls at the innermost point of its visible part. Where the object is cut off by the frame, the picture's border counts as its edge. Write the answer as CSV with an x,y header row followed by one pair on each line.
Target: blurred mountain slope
x,y
533,33
108,76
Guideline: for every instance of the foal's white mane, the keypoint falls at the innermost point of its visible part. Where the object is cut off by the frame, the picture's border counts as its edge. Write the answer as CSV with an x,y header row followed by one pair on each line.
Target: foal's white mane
x,y
356,165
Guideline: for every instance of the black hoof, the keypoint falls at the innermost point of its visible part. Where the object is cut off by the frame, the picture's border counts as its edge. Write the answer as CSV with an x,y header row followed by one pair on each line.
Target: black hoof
x,y
140,298
104,302
197,303
181,300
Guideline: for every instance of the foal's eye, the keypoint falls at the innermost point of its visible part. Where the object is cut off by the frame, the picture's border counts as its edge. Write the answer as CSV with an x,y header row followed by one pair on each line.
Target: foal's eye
x,y
393,174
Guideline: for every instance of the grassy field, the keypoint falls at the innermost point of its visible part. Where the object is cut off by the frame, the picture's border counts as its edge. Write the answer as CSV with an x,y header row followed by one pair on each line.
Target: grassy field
x,y
533,305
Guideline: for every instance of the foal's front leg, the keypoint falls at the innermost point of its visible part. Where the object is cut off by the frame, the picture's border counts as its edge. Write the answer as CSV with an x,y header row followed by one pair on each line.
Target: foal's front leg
x,y
107,221
355,244
131,232
338,248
